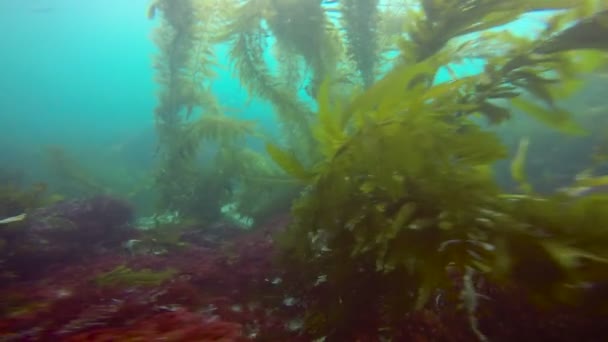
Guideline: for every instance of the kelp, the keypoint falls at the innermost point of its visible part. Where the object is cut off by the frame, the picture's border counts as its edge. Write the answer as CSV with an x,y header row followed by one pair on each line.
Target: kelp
x,y
531,82
219,138
404,197
395,182
290,67
215,128
301,26
260,188
518,66
588,33
179,93
247,40
188,115
288,162
360,22
440,21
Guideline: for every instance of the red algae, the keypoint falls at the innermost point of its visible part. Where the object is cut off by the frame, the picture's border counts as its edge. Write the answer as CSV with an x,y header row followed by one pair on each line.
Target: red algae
x,y
232,290
180,325
216,295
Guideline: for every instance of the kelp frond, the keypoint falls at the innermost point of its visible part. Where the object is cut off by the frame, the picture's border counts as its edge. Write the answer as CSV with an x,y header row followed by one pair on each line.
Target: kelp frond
x,y
247,54
222,129
440,21
360,21
588,33
404,192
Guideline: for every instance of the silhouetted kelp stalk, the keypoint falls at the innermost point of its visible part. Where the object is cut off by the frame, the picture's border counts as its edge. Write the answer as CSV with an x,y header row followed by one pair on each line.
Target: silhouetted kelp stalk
x,y
188,115
589,33
360,22
178,95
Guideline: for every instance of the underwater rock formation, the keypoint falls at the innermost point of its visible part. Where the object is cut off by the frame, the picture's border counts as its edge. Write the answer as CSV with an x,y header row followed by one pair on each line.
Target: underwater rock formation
x,y
234,291
226,291
67,230
97,215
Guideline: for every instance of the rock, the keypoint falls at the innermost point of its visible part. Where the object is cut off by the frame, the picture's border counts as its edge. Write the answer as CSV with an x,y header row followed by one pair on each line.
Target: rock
x,y
66,231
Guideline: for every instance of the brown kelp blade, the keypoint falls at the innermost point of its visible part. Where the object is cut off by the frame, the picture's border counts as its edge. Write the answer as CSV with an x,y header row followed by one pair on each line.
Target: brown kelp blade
x,y
589,33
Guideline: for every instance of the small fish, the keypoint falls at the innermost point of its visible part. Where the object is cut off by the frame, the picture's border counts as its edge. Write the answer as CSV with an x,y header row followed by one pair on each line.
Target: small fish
x,y
12,219
585,184
583,191
518,165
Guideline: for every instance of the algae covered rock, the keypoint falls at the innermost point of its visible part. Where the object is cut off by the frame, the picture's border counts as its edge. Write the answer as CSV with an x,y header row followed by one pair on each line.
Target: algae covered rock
x,y
67,230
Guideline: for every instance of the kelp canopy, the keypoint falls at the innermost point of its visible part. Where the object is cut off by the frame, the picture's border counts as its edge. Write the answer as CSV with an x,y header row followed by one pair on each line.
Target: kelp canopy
x,y
398,195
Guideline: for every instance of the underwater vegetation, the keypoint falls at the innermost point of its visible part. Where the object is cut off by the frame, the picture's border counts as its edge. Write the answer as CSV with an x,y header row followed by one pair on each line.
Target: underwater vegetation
x,y
190,122
403,204
283,51
111,296
397,202
398,229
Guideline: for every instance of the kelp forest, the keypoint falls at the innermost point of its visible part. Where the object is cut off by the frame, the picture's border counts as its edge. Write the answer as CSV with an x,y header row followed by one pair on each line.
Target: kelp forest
x,y
409,189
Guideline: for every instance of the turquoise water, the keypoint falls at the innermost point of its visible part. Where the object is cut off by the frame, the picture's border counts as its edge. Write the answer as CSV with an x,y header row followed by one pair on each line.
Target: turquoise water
x,y
78,75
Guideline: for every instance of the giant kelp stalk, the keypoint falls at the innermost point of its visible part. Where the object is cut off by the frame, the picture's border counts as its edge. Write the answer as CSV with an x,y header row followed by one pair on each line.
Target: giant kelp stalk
x,y
175,38
404,204
360,21
184,70
188,115
303,27
301,30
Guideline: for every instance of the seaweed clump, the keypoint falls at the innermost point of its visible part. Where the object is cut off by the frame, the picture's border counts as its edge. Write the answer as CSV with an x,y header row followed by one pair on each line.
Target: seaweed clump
x,y
360,22
399,204
190,122
404,207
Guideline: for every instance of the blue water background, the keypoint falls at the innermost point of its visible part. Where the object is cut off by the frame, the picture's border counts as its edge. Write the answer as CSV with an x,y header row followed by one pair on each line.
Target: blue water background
x,y
78,75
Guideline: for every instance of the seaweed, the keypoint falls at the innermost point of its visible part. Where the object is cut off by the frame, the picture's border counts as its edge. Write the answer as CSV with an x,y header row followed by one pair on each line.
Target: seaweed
x,y
404,197
124,276
184,67
176,41
532,83
247,38
360,22
588,33
397,201
440,21
301,26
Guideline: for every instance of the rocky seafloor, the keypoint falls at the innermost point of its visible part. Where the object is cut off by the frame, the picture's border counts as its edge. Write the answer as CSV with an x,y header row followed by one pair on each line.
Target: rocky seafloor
x,y
81,271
